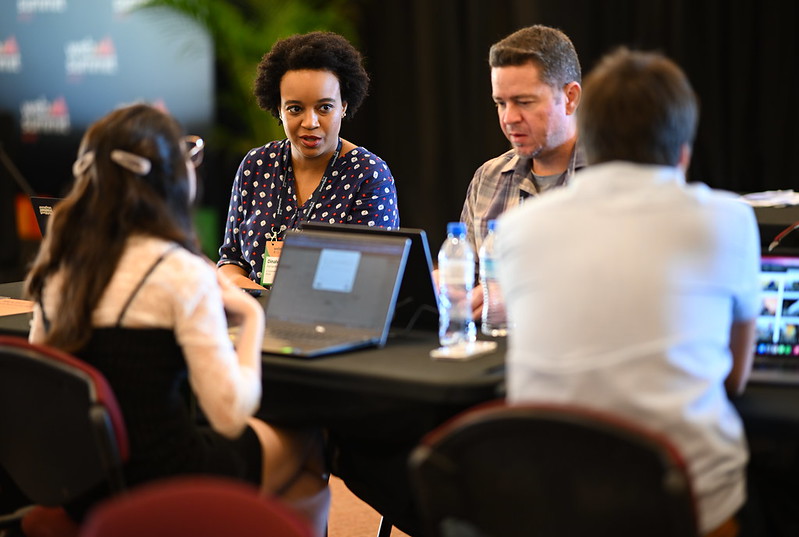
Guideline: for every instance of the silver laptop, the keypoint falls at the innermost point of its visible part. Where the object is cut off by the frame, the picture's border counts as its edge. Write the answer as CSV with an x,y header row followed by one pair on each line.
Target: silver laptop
x,y
333,292
777,345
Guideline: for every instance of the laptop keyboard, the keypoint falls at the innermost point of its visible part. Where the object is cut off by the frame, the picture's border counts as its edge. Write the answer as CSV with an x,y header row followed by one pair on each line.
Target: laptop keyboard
x,y
314,334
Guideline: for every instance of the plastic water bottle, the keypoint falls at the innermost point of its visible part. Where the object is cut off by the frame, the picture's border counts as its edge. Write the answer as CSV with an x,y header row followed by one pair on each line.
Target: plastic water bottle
x,y
494,321
456,280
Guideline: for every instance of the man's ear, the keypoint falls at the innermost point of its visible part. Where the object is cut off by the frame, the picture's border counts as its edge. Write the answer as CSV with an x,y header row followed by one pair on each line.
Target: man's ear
x,y
573,91
685,157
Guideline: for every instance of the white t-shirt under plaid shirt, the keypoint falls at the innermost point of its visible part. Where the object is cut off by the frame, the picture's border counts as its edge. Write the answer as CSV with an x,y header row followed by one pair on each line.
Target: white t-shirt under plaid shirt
x,y
500,184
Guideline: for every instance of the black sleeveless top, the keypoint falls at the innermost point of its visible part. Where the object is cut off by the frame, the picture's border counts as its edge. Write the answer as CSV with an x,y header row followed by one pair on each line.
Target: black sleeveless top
x,y
147,371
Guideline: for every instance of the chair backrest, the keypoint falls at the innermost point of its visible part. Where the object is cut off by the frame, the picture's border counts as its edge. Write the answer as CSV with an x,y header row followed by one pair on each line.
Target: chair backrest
x,y
194,506
61,428
546,471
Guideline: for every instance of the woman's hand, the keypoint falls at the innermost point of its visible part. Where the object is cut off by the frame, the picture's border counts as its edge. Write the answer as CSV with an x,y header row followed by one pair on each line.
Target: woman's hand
x,y
240,306
237,276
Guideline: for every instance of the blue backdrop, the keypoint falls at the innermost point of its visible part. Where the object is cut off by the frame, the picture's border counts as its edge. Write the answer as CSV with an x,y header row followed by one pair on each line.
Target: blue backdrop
x,y
65,63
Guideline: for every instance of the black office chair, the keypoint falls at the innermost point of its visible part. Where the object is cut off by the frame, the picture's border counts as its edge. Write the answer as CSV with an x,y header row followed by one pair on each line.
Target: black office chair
x,y
62,432
549,471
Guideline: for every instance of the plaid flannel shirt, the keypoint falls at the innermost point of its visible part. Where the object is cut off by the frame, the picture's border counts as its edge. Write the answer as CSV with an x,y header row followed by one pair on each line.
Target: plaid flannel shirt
x,y
500,184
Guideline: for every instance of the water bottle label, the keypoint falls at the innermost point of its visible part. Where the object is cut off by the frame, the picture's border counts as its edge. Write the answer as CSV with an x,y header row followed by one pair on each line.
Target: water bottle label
x,y
456,272
489,268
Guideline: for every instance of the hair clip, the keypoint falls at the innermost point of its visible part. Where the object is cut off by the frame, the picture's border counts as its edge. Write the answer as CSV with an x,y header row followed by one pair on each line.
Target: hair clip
x,y
130,161
80,166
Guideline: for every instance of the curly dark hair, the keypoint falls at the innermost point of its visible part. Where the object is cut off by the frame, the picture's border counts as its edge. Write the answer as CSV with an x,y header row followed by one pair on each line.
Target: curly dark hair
x,y
326,51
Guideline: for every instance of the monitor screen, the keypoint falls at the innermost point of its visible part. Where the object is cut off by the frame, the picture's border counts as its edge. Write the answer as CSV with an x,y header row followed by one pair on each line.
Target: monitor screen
x,y
778,322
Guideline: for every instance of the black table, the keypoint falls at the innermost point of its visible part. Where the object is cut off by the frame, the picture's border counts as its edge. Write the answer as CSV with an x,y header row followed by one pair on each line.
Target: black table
x,y
343,390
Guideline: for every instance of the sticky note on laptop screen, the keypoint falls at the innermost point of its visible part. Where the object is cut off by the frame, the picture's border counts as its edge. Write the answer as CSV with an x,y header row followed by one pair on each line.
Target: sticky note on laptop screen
x,y
348,279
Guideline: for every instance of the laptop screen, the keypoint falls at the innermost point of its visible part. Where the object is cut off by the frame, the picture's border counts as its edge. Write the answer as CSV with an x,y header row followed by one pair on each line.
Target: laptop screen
x,y
43,208
778,322
340,279
416,303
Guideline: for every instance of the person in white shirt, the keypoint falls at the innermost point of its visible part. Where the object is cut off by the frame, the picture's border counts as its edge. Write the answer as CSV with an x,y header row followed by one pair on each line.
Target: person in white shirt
x,y
637,293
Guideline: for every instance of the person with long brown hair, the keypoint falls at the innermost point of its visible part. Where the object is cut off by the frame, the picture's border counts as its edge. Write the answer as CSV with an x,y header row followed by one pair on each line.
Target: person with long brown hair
x,y
119,281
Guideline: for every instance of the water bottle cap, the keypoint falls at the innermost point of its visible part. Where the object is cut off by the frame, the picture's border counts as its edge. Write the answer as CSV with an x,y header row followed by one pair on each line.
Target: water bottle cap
x,y
492,225
456,228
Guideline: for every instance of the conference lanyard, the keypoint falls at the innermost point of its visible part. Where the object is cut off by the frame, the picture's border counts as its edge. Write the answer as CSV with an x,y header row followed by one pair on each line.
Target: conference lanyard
x,y
288,178
274,242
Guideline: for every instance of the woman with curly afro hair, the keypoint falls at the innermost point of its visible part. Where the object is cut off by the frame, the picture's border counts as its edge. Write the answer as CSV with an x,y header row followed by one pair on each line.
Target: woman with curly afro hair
x,y
310,83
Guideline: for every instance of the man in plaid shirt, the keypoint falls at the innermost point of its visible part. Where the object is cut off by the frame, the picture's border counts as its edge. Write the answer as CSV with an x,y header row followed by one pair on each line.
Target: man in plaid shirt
x,y
535,81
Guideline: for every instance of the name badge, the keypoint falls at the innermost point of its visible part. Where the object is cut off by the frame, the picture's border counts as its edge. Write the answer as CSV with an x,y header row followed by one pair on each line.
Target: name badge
x,y
271,258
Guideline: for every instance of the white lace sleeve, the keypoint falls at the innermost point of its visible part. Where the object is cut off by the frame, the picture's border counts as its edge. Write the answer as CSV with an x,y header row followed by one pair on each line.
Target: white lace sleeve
x,y
228,391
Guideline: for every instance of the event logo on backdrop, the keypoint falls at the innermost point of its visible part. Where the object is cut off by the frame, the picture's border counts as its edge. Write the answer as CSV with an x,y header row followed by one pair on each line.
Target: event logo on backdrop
x,y
41,116
10,58
125,6
29,7
90,57
66,63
